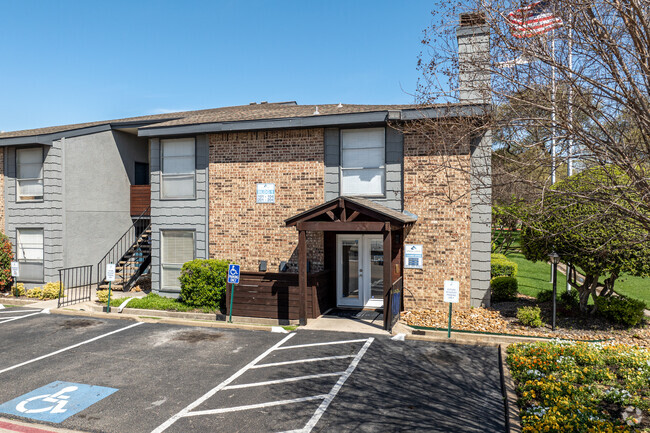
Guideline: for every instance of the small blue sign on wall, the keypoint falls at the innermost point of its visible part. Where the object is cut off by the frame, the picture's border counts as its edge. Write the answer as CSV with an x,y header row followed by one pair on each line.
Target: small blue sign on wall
x,y
233,274
56,402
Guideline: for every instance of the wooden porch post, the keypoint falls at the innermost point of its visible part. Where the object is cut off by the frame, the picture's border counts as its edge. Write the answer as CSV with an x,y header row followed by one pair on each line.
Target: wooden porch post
x,y
302,276
387,274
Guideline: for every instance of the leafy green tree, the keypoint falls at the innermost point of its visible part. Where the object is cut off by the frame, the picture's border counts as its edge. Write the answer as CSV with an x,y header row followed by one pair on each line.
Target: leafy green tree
x,y
588,232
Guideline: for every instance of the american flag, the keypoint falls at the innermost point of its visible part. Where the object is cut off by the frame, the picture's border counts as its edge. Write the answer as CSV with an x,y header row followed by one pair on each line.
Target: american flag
x,y
534,19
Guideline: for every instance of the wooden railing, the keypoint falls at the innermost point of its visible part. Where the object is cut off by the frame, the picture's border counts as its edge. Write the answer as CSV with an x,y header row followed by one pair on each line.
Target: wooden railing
x,y
140,199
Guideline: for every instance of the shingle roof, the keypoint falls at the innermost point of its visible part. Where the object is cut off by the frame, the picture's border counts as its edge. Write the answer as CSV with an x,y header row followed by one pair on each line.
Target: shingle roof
x,y
223,114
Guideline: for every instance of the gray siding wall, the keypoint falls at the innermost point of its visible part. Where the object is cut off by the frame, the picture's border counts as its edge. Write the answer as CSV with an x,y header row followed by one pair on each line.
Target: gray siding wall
x,y
179,214
481,220
98,174
394,164
47,214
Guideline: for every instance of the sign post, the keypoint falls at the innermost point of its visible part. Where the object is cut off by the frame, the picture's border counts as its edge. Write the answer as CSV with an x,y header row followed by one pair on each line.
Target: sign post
x,y
15,273
233,278
451,295
110,277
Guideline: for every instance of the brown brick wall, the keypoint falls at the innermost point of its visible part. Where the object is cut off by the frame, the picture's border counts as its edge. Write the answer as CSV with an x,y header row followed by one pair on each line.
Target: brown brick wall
x,y
246,232
440,198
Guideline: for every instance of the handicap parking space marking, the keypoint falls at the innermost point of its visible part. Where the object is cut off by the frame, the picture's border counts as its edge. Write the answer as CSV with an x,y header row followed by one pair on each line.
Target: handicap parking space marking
x,y
326,398
56,401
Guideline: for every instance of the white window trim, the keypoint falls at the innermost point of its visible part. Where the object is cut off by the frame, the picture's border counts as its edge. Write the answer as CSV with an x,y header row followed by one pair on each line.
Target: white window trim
x,y
381,167
18,180
164,176
41,262
173,265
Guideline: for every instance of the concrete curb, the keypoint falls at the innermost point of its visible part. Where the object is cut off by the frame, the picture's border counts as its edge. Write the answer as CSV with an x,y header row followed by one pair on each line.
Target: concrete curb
x,y
10,300
513,420
154,316
15,426
461,338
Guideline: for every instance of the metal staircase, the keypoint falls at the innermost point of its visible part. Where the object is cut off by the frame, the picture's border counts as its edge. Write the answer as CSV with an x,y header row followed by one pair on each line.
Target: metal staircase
x,y
131,255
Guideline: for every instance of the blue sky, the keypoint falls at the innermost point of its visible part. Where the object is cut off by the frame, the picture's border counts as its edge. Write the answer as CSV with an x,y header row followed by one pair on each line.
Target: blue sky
x,y
74,61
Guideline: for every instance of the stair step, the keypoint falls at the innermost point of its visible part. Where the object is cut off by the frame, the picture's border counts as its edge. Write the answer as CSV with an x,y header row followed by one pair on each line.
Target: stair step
x,y
113,287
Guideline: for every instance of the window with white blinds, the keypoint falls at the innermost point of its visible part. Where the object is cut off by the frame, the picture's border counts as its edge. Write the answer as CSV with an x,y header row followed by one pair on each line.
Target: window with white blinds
x,y
177,248
29,251
29,174
363,156
178,164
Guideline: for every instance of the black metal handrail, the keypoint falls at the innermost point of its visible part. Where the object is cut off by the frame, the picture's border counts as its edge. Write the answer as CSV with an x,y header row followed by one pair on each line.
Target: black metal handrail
x,y
75,285
128,250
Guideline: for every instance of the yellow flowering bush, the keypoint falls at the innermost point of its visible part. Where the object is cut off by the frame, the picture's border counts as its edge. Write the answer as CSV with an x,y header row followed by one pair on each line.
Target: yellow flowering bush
x,y
581,387
48,291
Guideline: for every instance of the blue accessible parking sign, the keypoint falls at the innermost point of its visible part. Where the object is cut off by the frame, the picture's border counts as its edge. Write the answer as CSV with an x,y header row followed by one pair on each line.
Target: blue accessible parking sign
x,y
233,274
56,402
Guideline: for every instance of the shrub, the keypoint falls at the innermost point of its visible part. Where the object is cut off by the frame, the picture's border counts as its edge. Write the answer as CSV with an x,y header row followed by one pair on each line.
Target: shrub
x,y
621,309
504,289
545,295
19,290
570,300
48,291
203,283
502,267
102,296
6,256
530,316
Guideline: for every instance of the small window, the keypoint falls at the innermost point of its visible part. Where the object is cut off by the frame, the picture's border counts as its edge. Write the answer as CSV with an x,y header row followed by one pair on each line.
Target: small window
x,y
29,248
177,248
363,157
29,174
178,164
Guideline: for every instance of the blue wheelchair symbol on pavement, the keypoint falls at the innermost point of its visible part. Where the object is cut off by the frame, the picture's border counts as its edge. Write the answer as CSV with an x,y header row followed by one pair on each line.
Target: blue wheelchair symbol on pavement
x,y
233,274
56,402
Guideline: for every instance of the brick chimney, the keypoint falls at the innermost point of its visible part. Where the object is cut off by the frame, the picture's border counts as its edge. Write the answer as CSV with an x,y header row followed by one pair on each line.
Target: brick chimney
x,y
473,59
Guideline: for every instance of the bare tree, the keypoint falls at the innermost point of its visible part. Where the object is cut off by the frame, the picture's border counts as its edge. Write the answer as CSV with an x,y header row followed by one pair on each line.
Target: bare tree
x,y
576,95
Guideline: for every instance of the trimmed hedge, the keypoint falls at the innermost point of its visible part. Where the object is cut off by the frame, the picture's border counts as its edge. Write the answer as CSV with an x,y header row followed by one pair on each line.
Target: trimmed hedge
x,y
621,309
504,289
203,283
502,267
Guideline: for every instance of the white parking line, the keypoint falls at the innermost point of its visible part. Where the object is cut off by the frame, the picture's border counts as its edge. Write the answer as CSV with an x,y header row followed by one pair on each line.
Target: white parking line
x,y
17,318
70,347
300,361
19,311
164,426
327,398
256,406
330,343
289,379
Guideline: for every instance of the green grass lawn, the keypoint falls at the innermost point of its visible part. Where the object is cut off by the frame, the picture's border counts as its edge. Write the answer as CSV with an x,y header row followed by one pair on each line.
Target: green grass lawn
x,y
634,287
535,277
155,302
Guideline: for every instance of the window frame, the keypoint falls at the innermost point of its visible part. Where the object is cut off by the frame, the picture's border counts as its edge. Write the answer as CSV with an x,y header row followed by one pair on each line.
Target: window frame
x,y
163,175
42,178
42,262
162,255
382,167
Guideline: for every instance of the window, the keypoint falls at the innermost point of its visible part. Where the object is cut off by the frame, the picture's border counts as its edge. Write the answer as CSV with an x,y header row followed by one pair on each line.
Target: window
x,y
177,248
363,161
30,254
29,174
178,161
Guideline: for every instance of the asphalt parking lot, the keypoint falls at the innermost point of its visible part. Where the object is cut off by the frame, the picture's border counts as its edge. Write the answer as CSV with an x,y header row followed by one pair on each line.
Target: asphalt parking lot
x,y
101,375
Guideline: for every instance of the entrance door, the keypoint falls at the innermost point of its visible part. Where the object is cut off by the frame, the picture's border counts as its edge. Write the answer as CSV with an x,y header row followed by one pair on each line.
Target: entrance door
x,y
360,271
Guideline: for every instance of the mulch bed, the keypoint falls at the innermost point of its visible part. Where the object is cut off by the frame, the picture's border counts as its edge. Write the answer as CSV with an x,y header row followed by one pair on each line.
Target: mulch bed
x,y
502,318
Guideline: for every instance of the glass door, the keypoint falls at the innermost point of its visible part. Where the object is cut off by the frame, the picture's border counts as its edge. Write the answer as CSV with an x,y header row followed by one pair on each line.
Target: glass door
x,y
360,271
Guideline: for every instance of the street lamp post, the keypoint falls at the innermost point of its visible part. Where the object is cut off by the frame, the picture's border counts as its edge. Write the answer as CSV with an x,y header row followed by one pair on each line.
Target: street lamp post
x,y
555,259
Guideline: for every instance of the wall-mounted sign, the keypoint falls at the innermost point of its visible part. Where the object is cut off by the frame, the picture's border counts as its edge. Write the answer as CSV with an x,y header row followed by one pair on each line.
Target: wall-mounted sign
x,y
15,272
412,256
265,193
452,291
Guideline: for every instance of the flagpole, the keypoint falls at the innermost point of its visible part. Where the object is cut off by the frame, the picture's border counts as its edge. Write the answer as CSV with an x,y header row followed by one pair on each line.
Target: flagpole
x,y
569,165
553,150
